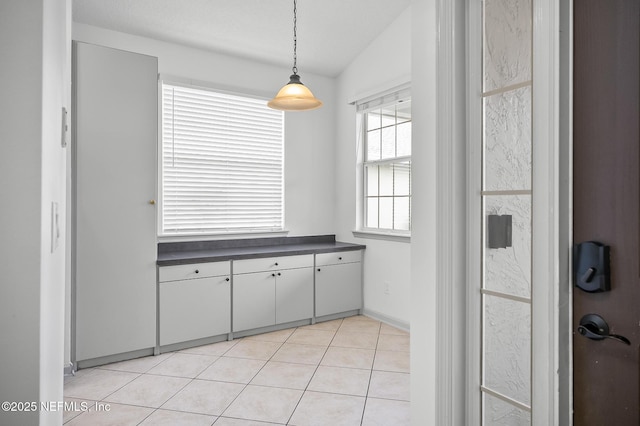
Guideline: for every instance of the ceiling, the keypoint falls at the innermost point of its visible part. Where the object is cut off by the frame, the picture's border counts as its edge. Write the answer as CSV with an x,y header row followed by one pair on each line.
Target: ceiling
x,y
331,33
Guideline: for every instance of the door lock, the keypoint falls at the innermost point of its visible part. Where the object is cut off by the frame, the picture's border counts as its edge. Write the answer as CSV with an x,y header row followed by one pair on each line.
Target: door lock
x,y
594,327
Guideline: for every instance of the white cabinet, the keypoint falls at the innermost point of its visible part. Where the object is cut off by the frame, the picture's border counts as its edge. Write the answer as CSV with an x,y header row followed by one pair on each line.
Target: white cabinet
x,y
269,291
338,282
114,183
195,301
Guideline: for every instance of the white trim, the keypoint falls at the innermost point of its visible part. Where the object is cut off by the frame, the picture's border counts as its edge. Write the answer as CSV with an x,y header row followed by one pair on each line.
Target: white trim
x,y
216,87
545,213
451,213
506,296
474,214
388,236
404,326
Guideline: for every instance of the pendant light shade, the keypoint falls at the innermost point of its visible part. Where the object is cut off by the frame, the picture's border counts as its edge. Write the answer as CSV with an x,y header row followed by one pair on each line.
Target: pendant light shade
x,y
294,96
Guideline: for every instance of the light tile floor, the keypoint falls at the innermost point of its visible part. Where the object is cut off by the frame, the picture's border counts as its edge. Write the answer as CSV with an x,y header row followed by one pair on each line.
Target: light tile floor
x,y
352,371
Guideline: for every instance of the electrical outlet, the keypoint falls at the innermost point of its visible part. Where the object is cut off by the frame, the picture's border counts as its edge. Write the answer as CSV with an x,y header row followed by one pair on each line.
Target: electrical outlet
x,y
387,285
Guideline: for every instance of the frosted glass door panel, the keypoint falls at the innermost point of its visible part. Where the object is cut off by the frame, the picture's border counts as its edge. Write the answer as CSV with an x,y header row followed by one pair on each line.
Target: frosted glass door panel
x,y
499,413
507,43
507,347
507,139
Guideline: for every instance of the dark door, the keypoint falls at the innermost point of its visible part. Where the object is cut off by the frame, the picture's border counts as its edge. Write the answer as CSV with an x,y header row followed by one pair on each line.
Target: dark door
x,y
606,205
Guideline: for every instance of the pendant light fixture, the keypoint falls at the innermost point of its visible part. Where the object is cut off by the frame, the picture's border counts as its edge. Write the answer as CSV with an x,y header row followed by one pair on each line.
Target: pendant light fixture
x,y
294,96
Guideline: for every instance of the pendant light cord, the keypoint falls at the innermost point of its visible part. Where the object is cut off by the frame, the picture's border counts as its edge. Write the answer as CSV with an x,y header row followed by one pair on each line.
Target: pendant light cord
x,y
295,39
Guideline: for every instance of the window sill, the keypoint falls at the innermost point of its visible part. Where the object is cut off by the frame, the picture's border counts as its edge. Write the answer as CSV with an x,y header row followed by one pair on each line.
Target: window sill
x,y
388,236
223,236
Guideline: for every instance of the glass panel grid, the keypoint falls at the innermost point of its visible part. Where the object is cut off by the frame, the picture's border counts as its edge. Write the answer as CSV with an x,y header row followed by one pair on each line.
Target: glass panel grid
x,y
506,190
387,167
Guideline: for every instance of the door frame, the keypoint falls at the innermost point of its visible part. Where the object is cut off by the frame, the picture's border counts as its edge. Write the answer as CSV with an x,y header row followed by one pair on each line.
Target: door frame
x,y
551,212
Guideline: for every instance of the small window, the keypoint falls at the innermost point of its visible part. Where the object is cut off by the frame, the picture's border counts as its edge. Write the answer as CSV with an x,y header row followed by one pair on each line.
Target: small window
x,y
386,164
222,163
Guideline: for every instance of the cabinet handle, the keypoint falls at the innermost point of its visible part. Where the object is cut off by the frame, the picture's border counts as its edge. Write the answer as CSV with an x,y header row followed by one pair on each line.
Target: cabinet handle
x,y
279,274
152,202
227,279
276,263
318,269
340,258
197,271
273,275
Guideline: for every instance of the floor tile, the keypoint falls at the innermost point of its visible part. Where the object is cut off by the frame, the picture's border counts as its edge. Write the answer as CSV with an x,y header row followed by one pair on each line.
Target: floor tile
x,y
285,375
148,390
348,381
391,342
322,409
311,337
138,365
279,336
348,357
264,404
227,421
360,326
214,349
392,361
204,397
332,325
389,385
118,415
387,329
177,418
254,349
74,407
301,354
384,412
97,384
183,365
355,340
236,370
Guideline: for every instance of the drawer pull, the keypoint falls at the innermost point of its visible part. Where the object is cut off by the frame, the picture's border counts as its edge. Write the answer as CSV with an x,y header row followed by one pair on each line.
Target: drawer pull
x,y
197,271
273,275
279,274
227,279
276,263
318,269
340,258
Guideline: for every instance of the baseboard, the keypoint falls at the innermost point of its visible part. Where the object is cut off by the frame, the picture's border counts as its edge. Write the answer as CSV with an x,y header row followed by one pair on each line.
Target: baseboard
x,y
69,370
394,322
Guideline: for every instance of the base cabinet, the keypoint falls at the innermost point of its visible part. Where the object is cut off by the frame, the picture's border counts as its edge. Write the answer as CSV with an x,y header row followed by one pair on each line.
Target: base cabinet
x,y
194,308
338,283
271,291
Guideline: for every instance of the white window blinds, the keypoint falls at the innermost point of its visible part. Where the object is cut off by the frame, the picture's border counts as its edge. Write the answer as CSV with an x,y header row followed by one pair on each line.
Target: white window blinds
x,y
222,163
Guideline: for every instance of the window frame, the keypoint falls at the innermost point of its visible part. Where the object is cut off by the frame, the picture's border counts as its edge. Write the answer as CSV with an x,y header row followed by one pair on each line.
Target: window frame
x,y
210,234
364,107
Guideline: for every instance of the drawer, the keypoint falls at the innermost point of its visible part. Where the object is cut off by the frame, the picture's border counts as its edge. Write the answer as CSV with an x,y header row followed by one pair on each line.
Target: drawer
x,y
195,270
246,266
324,259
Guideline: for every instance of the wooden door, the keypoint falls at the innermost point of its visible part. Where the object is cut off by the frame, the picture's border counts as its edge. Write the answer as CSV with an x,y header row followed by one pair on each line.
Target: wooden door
x,y
606,205
115,105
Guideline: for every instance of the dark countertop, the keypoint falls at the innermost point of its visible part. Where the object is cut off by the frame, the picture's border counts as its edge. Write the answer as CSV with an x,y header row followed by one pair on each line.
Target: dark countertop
x,y
220,250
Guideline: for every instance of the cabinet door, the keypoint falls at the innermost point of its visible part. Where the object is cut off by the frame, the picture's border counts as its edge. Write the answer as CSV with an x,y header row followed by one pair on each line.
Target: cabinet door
x,y
294,295
193,309
116,109
254,300
338,288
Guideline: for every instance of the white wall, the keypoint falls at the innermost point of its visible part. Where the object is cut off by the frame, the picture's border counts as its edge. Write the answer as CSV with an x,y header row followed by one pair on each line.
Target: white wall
x,y
34,78
309,148
384,64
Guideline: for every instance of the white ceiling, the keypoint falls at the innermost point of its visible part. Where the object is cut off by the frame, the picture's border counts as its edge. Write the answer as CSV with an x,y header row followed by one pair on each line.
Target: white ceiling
x,y
331,33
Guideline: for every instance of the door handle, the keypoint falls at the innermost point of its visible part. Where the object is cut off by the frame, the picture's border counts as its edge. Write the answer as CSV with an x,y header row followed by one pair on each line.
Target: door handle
x,y
594,327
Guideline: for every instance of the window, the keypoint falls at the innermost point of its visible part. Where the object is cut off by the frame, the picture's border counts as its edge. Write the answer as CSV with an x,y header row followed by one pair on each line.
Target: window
x,y
222,163
386,124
